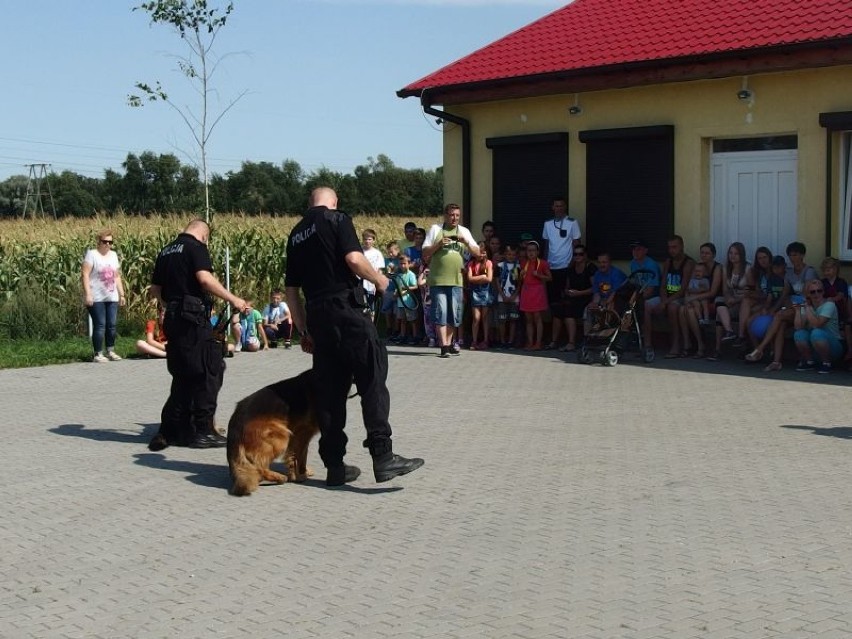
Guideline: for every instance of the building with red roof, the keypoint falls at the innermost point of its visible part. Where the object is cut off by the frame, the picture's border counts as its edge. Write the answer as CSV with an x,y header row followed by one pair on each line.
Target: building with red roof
x,y
724,121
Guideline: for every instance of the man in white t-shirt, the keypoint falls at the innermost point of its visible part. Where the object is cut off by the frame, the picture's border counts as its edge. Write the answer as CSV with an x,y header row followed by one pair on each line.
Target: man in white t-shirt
x,y
560,235
377,261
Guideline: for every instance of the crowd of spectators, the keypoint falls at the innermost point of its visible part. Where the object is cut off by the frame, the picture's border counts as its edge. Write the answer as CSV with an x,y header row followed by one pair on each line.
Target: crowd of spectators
x,y
702,307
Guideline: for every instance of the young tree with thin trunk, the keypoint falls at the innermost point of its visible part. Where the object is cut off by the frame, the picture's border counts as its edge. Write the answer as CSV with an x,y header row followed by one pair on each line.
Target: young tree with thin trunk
x,y
197,25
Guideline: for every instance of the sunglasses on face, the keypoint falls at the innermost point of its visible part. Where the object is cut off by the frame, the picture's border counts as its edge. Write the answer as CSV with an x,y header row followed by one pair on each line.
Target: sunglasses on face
x,y
815,291
107,242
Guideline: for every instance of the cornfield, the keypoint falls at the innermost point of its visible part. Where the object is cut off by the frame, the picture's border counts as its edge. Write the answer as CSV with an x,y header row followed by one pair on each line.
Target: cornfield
x,y
47,254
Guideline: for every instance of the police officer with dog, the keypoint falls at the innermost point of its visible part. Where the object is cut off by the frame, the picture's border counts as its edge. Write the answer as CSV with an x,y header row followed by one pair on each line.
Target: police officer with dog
x,y
325,260
183,282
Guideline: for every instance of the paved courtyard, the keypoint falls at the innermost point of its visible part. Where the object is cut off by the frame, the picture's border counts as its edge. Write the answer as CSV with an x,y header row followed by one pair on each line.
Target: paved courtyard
x,y
681,499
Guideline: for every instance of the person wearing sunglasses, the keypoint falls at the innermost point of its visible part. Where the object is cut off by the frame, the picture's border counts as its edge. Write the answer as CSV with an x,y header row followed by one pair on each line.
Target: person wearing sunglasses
x,y
103,293
817,331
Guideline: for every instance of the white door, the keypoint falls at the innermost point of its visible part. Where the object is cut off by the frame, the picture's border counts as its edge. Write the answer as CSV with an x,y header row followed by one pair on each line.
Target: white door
x,y
753,200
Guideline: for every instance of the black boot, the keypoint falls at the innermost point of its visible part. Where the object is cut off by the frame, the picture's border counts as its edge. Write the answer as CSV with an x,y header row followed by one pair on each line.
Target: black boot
x,y
339,475
389,465
209,440
158,442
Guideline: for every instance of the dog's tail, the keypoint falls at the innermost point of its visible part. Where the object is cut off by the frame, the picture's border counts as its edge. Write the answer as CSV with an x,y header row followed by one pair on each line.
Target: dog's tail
x,y
244,473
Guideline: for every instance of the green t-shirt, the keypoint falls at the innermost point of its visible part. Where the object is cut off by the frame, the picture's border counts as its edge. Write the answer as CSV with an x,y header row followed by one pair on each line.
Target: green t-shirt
x,y
445,269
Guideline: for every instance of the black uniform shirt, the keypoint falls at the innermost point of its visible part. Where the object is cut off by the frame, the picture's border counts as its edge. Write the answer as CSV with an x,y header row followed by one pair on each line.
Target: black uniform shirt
x,y
177,265
316,252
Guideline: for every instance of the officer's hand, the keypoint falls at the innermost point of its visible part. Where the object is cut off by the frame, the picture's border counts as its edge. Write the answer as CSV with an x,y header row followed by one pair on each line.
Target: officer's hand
x,y
241,305
307,344
382,283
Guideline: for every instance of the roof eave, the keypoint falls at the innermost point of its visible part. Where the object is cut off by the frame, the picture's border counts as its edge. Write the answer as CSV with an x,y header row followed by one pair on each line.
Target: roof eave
x,y
643,73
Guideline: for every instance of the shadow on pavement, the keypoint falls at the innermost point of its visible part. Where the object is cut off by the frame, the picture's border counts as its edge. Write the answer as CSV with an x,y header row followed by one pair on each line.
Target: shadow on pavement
x,y
209,475
217,475
841,432
108,435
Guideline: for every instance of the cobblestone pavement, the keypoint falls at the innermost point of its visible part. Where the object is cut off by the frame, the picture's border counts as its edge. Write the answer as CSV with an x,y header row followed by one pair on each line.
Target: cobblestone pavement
x,y
560,500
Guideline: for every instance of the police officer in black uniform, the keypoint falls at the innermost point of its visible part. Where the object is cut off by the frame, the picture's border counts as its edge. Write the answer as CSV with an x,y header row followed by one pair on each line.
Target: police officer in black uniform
x,y
325,260
183,283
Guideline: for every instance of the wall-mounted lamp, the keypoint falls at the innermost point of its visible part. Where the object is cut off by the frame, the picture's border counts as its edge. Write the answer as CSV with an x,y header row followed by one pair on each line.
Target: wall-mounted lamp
x,y
439,121
745,94
575,109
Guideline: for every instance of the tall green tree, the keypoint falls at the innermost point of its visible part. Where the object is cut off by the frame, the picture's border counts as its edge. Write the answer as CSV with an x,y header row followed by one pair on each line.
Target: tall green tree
x,y
198,26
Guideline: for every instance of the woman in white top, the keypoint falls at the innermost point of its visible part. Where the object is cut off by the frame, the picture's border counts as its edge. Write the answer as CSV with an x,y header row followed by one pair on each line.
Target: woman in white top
x,y
103,293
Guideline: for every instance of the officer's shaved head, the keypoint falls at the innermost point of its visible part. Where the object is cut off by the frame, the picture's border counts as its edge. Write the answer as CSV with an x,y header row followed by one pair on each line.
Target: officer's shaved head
x,y
199,230
324,196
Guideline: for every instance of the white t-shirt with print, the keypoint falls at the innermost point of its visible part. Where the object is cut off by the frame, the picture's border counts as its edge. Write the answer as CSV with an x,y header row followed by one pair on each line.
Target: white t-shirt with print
x,y
103,275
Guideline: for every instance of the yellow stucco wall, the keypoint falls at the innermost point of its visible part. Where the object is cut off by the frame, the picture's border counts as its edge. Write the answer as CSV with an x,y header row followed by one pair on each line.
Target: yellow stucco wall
x,y
784,103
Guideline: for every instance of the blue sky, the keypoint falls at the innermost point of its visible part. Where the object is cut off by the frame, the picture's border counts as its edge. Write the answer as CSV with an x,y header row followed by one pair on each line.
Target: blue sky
x,y
321,77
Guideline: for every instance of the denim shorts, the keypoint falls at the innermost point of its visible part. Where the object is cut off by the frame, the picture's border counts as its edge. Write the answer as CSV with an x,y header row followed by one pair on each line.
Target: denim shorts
x,y
446,305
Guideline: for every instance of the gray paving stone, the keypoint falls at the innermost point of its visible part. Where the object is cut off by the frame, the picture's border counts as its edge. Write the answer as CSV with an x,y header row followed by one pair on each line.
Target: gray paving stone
x,y
683,499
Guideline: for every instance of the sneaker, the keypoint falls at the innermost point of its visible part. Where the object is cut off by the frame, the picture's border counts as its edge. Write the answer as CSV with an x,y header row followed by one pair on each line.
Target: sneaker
x,y
445,352
805,365
739,343
287,344
99,358
824,368
729,336
432,343
389,466
339,475
113,356
238,347
705,322
455,349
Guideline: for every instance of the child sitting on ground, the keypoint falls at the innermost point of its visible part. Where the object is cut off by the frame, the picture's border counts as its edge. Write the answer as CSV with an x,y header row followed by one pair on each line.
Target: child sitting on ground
x,y
154,344
698,283
248,329
277,321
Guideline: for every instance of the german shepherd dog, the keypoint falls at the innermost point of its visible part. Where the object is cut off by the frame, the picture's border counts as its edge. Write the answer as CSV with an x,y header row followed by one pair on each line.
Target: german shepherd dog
x,y
277,420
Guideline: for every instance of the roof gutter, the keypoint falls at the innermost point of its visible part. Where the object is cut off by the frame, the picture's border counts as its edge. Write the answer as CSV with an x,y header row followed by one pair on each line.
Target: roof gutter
x,y
466,203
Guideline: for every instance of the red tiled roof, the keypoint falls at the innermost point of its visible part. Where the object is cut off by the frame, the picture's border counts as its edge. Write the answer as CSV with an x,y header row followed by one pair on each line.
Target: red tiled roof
x,y
587,34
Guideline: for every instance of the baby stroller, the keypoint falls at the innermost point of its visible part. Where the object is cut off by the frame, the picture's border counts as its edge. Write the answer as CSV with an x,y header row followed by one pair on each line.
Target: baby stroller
x,y
617,330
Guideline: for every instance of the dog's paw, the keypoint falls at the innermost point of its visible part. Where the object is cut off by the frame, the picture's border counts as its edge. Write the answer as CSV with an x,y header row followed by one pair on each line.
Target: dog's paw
x,y
275,478
309,472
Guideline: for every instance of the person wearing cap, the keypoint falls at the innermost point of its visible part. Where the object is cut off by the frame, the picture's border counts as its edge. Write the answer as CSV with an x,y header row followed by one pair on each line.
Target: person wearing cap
x,y
643,262
408,241
560,235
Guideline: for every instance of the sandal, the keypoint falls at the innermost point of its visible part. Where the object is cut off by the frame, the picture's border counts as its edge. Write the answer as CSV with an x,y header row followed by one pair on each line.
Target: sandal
x,y
772,367
567,348
672,355
699,354
755,356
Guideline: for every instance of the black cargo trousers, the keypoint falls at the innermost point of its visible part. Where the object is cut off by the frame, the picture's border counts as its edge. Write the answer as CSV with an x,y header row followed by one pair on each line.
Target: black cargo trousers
x,y
346,349
195,362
